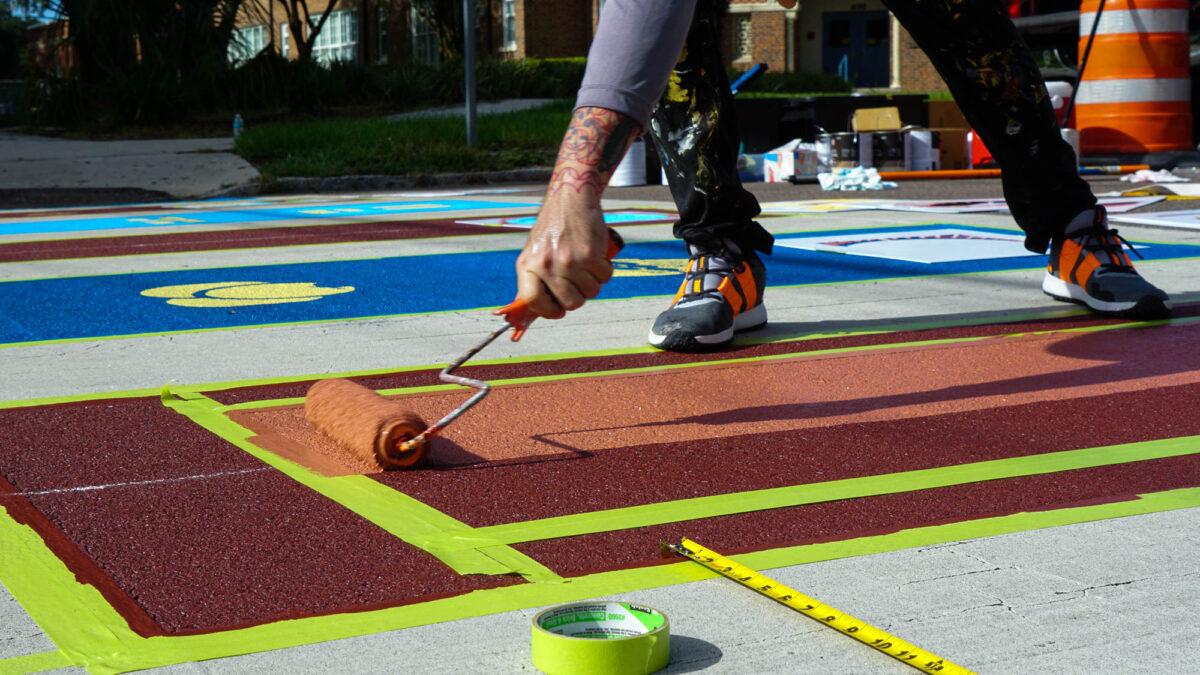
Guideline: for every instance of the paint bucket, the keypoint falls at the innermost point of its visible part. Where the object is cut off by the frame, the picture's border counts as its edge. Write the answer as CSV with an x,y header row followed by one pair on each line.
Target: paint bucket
x,y
824,153
922,150
887,150
632,169
844,150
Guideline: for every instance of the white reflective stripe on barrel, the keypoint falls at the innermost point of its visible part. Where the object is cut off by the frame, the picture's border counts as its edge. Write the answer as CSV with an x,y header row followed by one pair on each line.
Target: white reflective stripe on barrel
x,y
1117,21
1147,90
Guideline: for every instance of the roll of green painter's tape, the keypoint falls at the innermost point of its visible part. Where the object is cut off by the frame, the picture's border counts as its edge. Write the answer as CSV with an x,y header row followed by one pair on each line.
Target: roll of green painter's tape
x,y
601,638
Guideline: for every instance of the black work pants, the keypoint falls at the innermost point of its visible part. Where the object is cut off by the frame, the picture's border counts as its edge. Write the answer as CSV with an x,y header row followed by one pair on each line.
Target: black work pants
x,y
976,49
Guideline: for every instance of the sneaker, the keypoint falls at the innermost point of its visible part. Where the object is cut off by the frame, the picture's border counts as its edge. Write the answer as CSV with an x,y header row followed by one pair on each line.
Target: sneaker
x,y
1089,266
721,295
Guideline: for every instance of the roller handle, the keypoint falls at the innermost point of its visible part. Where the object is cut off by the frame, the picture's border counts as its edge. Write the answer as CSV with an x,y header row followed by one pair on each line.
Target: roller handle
x,y
517,312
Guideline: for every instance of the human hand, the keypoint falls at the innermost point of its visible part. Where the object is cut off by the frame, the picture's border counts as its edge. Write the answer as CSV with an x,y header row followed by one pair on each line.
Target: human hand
x,y
564,262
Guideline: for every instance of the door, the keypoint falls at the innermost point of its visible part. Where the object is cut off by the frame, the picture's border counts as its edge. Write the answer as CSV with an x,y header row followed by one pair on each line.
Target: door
x,y
856,46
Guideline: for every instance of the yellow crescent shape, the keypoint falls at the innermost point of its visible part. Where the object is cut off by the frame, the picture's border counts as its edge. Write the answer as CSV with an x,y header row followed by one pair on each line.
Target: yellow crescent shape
x,y
241,293
189,290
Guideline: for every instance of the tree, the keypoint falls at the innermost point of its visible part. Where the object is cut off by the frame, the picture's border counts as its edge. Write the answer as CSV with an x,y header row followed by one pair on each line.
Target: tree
x,y
12,40
303,28
140,60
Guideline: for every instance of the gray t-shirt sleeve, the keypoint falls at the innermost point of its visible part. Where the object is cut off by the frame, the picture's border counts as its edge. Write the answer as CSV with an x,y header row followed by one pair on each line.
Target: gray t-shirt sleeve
x,y
636,45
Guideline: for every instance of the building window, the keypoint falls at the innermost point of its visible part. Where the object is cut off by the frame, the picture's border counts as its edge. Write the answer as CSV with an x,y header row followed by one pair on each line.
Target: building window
x,y
508,23
285,41
743,38
877,32
424,37
381,35
246,43
338,39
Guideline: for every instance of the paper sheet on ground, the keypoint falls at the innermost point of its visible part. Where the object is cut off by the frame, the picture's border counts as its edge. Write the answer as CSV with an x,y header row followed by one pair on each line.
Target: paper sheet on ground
x,y
1114,204
1184,220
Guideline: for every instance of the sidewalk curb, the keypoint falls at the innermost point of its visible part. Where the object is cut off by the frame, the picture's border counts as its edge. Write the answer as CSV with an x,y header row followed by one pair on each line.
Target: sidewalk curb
x,y
295,184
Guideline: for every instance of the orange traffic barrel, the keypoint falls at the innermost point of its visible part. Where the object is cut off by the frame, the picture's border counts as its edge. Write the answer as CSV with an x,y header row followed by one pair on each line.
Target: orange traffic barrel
x,y
1135,95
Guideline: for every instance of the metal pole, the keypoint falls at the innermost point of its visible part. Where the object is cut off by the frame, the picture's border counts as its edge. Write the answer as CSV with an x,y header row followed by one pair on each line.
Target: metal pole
x,y
469,68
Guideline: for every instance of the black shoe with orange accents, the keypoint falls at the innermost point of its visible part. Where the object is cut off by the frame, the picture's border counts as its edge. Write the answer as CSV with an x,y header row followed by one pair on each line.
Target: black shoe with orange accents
x,y
1089,266
722,294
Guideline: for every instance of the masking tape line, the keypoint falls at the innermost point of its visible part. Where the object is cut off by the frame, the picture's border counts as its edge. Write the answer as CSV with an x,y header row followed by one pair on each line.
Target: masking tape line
x,y
856,628
76,614
35,663
402,516
849,488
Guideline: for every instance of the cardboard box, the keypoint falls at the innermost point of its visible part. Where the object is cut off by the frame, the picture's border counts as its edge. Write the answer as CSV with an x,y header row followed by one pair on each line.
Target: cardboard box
x,y
946,115
956,148
876,119
794,158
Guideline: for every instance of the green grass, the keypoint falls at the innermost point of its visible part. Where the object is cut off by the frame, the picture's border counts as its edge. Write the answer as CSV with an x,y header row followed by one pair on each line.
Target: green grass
x,y
356,146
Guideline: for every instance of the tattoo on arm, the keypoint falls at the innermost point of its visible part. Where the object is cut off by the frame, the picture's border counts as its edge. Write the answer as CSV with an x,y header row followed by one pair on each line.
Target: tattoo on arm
x,y
594,144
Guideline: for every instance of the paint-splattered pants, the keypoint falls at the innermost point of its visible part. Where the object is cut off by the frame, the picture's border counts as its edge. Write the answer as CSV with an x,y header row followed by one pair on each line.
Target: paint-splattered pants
x,y
978,52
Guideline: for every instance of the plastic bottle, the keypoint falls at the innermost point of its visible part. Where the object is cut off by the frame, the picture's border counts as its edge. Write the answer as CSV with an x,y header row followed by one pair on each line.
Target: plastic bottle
x,y
237,126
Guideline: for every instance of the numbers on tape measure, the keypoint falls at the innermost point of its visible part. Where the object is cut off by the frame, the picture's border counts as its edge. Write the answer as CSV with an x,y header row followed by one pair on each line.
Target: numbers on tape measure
x,y
894,647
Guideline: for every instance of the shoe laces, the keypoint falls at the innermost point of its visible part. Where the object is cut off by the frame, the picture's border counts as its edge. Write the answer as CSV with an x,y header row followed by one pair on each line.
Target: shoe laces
x,y
711,262
1103,239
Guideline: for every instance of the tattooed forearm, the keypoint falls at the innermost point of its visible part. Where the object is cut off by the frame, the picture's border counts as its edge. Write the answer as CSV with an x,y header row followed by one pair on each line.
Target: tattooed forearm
x,y
594,144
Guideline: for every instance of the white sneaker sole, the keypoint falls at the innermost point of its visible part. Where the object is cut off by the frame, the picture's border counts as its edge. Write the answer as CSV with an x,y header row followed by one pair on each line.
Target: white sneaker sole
x,y
755,318
1068,292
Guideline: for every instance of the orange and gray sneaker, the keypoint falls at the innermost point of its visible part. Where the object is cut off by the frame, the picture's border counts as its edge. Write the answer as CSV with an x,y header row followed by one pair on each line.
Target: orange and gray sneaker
x,y
1089,266
721,295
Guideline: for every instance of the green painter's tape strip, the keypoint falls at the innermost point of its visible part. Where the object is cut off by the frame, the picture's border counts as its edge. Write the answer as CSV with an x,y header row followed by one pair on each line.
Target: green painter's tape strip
x,y
35,663
74,615
50,594
850,488
397,513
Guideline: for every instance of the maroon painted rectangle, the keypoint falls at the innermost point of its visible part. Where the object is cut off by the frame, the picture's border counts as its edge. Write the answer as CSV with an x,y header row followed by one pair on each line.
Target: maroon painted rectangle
x,y
190,533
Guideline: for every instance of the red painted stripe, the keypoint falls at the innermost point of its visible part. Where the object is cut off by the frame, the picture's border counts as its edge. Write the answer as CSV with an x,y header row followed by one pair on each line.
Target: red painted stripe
x,y
242,238
503,492
428,376
851,519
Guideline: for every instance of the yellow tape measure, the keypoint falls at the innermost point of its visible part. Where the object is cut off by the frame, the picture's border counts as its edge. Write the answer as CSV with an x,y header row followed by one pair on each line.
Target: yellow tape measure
x,y
859,630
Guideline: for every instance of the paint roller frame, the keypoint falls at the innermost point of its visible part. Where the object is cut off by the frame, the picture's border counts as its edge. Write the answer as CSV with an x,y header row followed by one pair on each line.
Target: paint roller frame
x,y
401,445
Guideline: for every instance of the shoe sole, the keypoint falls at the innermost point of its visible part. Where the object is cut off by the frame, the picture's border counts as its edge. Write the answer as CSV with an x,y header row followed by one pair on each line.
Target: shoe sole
x,y
1148,307
746,321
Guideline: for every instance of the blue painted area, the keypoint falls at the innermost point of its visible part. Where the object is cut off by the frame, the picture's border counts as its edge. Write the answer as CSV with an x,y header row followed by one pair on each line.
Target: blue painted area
x,y
84,307
244,215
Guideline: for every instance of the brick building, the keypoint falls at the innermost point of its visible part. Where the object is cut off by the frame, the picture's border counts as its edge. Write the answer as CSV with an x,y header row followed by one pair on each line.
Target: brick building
x,y
860,40
376,31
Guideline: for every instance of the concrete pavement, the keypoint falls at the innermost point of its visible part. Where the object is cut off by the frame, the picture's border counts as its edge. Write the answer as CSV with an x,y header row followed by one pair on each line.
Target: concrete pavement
x,y
178,168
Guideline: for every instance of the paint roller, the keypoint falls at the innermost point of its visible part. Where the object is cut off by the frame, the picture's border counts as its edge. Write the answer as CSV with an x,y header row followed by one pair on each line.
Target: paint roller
x,y
362,421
